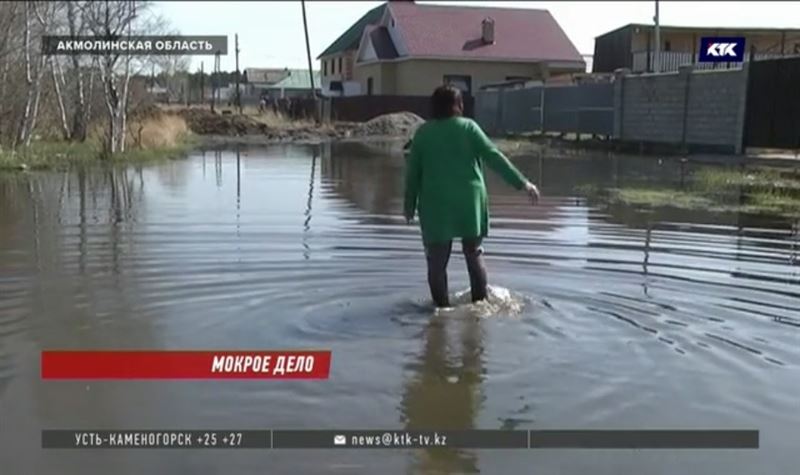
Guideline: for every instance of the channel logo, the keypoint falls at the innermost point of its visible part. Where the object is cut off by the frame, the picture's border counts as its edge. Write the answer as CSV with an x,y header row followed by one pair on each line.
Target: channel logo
x,y
717,49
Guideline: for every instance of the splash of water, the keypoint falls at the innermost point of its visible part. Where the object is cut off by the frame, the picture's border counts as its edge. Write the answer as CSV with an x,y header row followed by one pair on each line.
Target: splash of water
x,y
499,302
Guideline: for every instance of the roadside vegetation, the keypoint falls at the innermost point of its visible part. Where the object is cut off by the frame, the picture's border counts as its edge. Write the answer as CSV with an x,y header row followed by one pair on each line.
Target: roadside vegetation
x,y
60,109
156,137
756,191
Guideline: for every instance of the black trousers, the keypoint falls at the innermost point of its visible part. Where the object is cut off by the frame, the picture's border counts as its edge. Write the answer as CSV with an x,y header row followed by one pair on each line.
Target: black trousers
x,y
438,256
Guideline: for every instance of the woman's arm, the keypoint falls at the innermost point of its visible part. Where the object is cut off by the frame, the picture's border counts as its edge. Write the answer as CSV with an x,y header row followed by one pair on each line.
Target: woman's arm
x,y
495,158
500,164
413,180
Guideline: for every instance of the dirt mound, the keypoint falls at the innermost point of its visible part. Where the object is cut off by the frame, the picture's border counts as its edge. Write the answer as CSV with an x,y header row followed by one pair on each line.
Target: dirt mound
x,y
205,122
397,124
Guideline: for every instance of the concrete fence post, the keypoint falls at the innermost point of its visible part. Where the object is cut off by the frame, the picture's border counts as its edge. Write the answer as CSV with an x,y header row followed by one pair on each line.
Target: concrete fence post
x,y
619,102
500,123
685,73
741,116
541,108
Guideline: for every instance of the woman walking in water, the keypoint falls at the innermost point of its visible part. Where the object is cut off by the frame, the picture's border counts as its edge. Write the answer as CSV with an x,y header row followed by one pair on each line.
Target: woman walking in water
x,y
444,182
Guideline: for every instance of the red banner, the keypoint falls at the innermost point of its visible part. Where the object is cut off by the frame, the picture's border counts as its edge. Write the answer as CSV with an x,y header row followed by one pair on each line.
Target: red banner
x,y
289,364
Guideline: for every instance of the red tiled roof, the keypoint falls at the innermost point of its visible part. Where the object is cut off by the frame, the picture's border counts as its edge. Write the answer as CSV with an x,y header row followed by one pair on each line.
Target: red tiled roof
x,y
455,31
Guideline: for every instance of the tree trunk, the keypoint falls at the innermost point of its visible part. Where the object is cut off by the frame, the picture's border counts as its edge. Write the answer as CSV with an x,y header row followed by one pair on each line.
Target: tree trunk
x,y
87,113
9,19
22,131
34,85
37,93
58,79
123,110
79,114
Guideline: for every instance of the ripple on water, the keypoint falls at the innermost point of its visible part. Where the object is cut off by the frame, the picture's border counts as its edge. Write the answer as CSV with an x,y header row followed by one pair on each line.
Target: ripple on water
x,y
596,315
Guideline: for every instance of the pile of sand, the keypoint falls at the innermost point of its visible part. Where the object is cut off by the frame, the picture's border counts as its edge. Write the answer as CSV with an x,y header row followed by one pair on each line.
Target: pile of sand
x,y
398,124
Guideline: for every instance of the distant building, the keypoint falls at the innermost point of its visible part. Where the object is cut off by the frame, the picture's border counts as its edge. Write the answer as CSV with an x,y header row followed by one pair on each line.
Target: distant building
x,y
632,46
404,48
278,83
224,94
296,84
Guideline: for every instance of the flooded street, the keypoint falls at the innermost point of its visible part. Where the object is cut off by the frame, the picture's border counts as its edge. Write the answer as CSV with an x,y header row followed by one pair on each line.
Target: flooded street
x,y
626,319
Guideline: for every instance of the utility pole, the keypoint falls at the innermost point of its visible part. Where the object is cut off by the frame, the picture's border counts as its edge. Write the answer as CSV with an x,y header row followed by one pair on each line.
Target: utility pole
x,y
310,66
238,94
202,84
657,52
215,81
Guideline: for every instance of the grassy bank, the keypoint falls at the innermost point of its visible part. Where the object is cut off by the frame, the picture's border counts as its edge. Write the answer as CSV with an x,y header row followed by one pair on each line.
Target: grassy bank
x,y
153,138
756,191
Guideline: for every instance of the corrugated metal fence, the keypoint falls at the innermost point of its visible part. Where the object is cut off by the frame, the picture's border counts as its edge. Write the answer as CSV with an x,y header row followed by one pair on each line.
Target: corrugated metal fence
x,y
584,108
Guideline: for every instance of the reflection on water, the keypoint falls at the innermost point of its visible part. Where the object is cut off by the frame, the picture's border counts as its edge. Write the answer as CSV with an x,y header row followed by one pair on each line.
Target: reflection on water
x,y
617,317
444,391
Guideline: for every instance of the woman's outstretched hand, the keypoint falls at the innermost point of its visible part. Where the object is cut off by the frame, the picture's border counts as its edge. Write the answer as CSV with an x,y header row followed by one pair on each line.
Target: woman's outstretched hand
x,y
533,192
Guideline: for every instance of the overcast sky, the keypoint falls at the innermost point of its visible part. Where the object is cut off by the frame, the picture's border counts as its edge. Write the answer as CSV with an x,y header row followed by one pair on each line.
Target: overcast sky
x,y
271,32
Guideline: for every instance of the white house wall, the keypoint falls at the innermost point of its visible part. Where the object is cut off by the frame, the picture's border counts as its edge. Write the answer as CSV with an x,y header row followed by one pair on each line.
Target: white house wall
x,y
367,51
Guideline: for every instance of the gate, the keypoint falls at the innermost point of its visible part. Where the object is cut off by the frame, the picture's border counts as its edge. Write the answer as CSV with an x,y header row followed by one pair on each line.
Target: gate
x,y
585,108
773,104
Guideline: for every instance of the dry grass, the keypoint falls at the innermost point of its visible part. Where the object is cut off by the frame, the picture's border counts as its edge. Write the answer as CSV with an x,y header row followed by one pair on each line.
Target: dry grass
x,y
154,137
147,133
164,130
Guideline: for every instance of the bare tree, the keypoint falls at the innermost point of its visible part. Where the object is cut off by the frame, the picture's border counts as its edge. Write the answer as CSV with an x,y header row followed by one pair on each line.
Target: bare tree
x,y
34,66
59,91
76,24
58,85
173,70
114,20
9,16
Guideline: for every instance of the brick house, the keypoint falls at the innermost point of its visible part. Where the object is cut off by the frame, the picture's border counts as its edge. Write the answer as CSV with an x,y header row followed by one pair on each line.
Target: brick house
x,y
402,48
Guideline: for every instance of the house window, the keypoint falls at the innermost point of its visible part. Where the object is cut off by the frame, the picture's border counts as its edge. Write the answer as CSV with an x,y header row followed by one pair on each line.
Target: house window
x,y
369,86
333,66
667,45
324,68
464,83
340,65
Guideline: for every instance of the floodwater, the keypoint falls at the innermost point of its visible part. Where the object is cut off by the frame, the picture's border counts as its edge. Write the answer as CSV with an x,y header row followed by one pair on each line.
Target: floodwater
x,y
614,318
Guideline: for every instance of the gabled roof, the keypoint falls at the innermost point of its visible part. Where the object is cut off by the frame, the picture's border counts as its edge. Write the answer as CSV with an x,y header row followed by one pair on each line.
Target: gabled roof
x,y
265,75
381,42
350,39
450,31
297,79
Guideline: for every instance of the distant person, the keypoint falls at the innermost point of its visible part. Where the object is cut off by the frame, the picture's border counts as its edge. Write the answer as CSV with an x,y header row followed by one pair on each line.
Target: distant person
x,y
289,107
283,105
444,181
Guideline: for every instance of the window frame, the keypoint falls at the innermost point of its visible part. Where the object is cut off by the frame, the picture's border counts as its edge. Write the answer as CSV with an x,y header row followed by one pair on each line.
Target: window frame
x,y
448,79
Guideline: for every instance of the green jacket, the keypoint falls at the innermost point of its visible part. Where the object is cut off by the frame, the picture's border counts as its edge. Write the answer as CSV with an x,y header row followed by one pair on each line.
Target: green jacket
x,y
444,179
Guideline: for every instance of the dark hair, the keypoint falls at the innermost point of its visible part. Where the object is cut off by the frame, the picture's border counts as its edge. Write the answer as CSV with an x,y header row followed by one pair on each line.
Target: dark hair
x,y
446,102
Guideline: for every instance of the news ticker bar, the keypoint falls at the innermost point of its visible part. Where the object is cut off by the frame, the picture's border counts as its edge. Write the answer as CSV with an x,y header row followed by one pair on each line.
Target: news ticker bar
x,y
393,439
